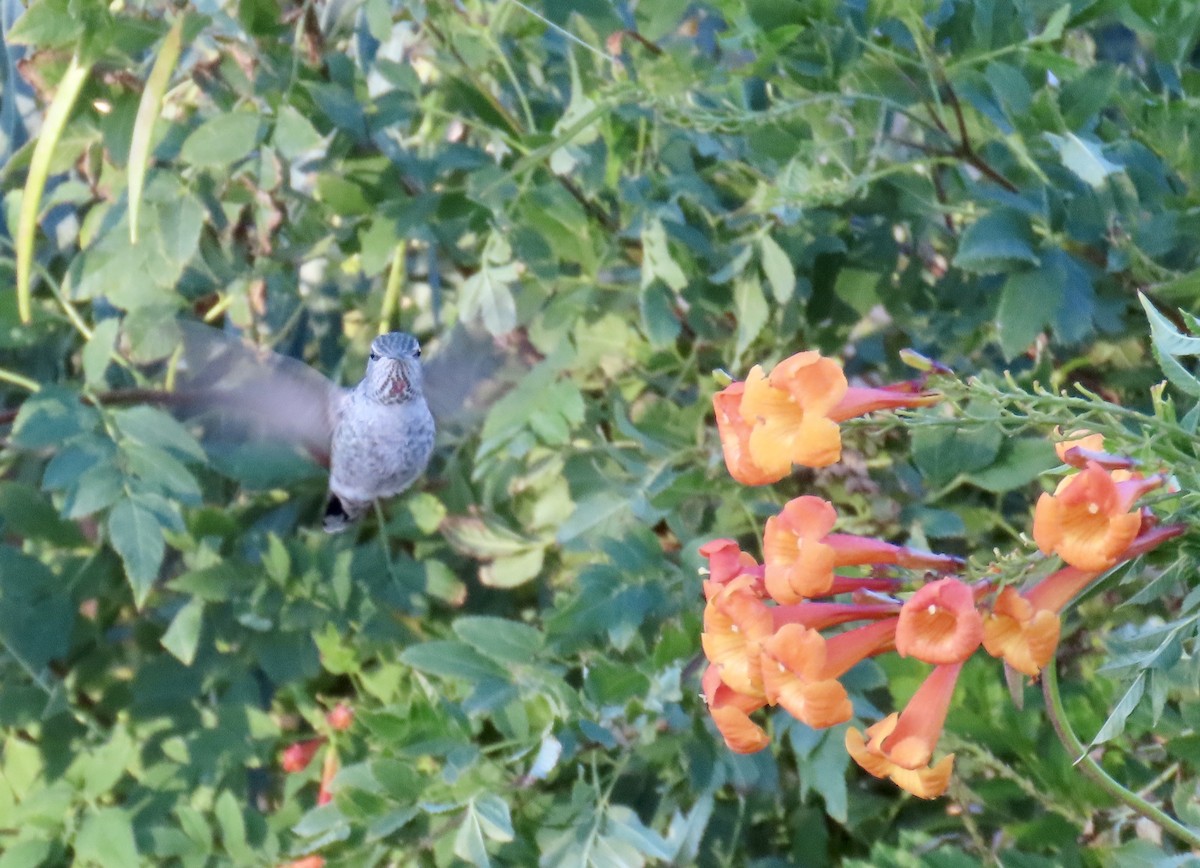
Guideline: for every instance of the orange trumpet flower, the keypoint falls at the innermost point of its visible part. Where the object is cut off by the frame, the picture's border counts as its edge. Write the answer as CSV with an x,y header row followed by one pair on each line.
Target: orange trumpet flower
x,y
1089,521
790,417
801,553
801,668
1023,628
731,712
900,746
940,624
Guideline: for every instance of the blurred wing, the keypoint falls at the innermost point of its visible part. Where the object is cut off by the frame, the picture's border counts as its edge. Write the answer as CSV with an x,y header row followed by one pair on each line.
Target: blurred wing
x,y
238,392
466,371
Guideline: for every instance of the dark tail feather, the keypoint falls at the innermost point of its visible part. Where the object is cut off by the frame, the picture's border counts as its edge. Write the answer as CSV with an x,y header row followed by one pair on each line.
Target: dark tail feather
x,y
337,517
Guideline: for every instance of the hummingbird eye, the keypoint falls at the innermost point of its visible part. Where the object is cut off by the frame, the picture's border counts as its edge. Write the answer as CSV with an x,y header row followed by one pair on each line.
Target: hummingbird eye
x,y
417,352
374,356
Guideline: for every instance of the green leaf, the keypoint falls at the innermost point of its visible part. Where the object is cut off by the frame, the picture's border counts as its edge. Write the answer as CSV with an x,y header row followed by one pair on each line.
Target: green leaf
x,y
51,417
451,659
47,24
778,268
137,536
294,135
479,539
752,312
1055,25
97,351
656,258
1029,301
183,635
998,241
486,296
1084,158
222,140
232,824
151,426
105,838
657,307
943,454
26,853
625,825
494,817
468,840
1168,343
1019,461
36,612
511,571
1115,724
28,514
500,639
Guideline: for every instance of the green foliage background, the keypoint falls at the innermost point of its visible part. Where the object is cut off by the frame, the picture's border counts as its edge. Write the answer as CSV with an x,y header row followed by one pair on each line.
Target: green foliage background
x,y
646,192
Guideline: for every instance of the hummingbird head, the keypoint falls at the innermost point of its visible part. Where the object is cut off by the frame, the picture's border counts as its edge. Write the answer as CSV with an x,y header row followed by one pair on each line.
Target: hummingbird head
x,y
394,368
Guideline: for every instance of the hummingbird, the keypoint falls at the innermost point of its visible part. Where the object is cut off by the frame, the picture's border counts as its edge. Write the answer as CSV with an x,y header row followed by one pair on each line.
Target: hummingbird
x,y
382,431
376,437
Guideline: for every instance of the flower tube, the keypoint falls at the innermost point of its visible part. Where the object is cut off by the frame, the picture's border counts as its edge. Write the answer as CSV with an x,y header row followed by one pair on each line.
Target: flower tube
x,y
900,746
800,553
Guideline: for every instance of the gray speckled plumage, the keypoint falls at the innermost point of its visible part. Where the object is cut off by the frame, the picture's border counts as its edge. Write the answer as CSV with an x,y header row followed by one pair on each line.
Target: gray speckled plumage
x,y
377,436
382,431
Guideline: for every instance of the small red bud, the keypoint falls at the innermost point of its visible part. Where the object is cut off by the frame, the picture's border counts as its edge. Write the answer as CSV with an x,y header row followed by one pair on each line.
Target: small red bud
x,y
296,757
340,717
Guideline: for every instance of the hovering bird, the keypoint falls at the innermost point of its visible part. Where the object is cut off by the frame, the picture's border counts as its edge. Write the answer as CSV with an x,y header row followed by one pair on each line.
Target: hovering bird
x,y
376,437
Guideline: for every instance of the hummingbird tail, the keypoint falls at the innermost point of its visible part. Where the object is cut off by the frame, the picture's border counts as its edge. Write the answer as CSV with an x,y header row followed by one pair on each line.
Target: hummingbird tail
x,y
340,514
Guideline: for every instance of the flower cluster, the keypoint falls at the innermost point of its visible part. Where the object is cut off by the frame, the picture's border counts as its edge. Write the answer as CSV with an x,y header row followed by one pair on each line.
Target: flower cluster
x,y
768,633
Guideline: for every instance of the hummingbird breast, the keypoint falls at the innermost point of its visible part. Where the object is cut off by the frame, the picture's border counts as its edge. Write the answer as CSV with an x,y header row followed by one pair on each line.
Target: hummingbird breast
x,y
378,449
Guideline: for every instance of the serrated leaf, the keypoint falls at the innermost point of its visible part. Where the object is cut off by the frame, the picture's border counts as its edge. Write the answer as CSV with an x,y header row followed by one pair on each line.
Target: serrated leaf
x,y
751,308
998,241
51,417
494,818
221,140
183,635
106,838
451,659
137,536
1084,158
500,639
657,261
98,350
511,571
778,269
1115,724
486,296
478,539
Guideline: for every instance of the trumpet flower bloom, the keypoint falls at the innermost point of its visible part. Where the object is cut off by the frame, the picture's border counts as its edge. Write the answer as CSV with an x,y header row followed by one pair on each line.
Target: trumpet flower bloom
x,y
1082,447
1021,635
900,746
790,416
801,668
940,624
801,553
1023,628
736,622
1089,521
734,432
726,561
731,712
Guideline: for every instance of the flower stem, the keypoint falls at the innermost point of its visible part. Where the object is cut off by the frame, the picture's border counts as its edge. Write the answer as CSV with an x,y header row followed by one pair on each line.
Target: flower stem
x,y
1058,718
